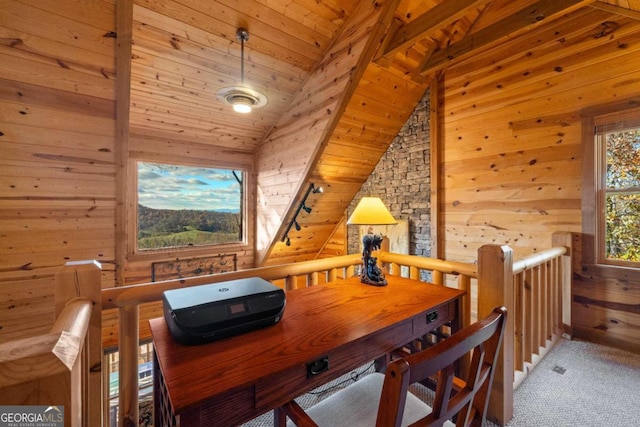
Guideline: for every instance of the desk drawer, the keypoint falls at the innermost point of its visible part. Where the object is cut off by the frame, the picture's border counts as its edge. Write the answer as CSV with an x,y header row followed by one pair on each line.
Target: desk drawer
x,y
279,388
434,318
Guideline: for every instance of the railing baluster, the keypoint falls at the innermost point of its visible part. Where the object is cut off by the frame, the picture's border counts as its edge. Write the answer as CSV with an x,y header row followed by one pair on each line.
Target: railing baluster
x,y
351,271
529,316
519,322
437,277
414,272
550,303
535,287
544,305
393,269
128,365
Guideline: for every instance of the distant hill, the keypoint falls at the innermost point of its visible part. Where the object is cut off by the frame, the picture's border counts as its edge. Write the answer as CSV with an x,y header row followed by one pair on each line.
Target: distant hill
x,y
163,222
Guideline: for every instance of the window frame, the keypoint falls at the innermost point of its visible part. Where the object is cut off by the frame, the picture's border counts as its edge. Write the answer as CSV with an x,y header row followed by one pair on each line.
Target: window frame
x,y
594,182
135,254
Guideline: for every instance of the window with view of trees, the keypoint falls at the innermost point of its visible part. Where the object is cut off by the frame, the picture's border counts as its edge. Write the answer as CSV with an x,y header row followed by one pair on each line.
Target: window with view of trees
x,y
187,206
618,152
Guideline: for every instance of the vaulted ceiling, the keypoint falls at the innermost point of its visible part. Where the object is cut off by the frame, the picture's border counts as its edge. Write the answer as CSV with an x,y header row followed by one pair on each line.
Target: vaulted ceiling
x,y
341,77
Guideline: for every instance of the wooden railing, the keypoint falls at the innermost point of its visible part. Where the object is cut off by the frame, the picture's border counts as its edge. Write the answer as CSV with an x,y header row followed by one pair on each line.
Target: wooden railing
x,y
534,290
537,293
127,300
61,367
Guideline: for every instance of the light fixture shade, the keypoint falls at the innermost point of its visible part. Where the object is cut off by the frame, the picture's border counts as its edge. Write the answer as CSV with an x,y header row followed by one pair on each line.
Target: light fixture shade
x,y
242,104
241,98
371,211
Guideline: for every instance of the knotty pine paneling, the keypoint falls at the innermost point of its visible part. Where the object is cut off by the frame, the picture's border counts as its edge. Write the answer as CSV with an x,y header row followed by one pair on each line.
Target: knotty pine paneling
x,y
161,37
511,165
306,125
336,245
156,149
184,51
605,307
57,161
139,267
214,17
381,104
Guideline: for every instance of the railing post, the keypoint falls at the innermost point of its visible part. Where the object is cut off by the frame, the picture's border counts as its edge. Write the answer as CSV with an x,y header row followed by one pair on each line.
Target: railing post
x,y
567,263
495,288
83,279
128,365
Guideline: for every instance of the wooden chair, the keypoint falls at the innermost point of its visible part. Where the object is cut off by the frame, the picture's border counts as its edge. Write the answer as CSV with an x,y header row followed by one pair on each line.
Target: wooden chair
x,y
384,400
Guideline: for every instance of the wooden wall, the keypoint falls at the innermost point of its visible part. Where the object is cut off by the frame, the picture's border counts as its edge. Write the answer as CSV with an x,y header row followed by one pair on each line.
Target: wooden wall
x,y
511,158
57,161
58,158
509,143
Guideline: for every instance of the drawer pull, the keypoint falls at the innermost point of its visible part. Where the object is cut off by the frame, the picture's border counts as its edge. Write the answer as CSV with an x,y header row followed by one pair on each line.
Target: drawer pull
x,y
317,366
432,316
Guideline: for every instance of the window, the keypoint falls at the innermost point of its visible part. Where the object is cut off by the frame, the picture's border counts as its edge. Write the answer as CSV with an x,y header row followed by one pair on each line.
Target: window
x,y
183,206
617,164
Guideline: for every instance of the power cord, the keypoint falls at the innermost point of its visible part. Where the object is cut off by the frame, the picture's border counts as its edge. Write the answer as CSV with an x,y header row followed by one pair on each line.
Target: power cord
x,y
355,376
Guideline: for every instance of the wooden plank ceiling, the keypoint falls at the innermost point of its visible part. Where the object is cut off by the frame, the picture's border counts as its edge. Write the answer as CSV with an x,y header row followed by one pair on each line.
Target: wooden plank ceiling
x,y
184,51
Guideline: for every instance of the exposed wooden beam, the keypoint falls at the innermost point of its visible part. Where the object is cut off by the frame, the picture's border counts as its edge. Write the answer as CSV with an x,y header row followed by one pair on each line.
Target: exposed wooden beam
x,y
633,14
524,19
442,15
381,58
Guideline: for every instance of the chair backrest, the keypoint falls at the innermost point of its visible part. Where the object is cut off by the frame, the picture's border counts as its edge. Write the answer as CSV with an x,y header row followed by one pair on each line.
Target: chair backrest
x,y
468,399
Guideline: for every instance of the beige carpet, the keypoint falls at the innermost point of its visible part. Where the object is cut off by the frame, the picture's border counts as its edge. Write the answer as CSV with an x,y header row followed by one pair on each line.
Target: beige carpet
x,y
578,384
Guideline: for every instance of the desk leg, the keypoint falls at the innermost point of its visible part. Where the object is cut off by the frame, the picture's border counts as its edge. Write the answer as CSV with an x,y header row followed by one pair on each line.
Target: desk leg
x,y
456,323
461,365
279,418
381,363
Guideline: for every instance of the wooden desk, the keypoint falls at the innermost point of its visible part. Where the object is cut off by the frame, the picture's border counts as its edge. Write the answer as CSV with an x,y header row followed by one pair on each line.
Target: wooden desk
x,y
234,380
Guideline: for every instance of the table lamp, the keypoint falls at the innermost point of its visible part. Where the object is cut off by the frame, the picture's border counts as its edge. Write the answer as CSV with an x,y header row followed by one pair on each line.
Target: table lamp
x,y
371,211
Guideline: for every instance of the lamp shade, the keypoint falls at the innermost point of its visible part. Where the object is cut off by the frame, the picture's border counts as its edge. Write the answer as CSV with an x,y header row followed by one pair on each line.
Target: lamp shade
x,y
371,211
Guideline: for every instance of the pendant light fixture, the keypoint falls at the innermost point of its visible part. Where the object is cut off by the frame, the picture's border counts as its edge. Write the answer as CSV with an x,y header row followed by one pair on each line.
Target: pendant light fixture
x,y
242,98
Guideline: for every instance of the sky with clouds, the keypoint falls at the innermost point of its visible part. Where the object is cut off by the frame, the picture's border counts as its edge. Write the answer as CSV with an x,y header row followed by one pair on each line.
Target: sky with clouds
x,y
162,186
